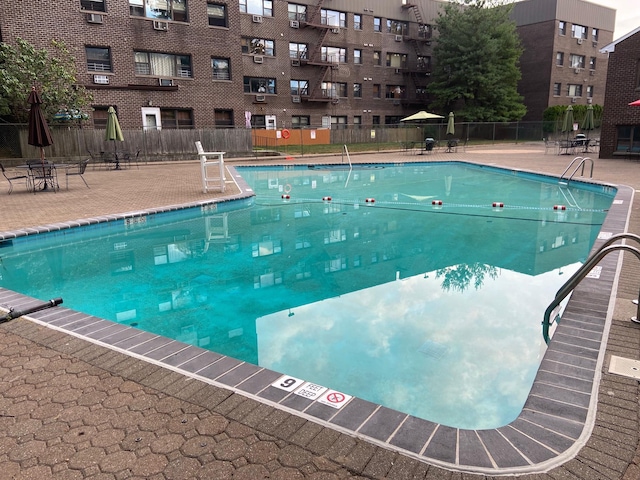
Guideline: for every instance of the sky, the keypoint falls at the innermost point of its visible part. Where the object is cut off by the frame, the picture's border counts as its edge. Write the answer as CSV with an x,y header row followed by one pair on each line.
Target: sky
x,y
627,15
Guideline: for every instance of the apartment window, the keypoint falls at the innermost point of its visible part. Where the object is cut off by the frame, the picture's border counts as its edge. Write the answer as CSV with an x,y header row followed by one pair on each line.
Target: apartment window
x,y
357,90
357,56
175,10
560,58
562,28
396,27
100,115
223,118
93,5
299,87
394,91
578,31
594,34
590,91
333,18
377,58
257,7
574,90
375,120
557,89
176,118
334,54
257,46
163,64
377,24
392,120
221,68
258,121
396,60
297,12
334,89
337,122
577,61
217,13
259,85
357,21
628,138
423,63
376,90
357,121
425,31
298,50
300,121
98,59
592,63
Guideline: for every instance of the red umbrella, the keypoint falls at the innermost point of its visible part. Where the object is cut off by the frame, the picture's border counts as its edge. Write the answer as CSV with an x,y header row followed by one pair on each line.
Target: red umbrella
x,y
635,104
39,133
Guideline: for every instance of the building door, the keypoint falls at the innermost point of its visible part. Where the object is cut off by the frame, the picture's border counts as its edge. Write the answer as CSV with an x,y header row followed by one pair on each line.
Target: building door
x,y
151,118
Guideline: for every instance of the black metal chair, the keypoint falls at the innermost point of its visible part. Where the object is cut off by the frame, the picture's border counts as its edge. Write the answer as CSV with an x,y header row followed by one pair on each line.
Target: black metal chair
x,y
12,177
77,169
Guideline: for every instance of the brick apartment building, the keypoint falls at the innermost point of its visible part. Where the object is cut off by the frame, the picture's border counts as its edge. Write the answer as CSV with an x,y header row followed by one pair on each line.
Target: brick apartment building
x,y
562,63
275,64
620,133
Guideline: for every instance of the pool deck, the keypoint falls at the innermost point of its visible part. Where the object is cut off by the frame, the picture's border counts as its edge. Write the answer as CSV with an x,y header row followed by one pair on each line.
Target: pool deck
x,y
73,408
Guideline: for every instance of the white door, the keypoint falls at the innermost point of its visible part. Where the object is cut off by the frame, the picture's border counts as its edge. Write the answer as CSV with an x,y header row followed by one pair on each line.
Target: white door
x,y
151,118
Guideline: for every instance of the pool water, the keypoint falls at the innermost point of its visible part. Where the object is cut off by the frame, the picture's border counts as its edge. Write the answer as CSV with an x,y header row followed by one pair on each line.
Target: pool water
x,y
402,285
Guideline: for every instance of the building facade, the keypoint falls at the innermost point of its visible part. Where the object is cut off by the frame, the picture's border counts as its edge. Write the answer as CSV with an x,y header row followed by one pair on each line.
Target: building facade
x,y
620,134
562,63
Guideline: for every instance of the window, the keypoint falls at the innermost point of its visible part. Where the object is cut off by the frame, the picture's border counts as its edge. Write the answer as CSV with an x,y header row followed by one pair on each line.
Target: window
x,y
394,91
377,58
257,46
557,89
357,56
259,85
375,120
217,14
299,87
257,7
377,24
297,12
334,54
590,91
93,5
298,50
574,90
300,121
392,119
592,63
577,61
357,90
396,60
578,31
560,58
163,64
176,118
594,34
98,59
562,28
424,63
357,21
100,115
337,122
223,118
221,68
334,89
425,31
628,138
175,10
397,28
376,90
333,18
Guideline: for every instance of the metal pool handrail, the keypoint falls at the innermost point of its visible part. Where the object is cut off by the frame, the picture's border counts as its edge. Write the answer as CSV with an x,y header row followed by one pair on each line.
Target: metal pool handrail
x,y
580,164
582,272
346,150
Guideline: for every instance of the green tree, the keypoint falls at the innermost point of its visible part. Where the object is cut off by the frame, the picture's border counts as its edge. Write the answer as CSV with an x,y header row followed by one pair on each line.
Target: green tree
x,y
476,58
52,72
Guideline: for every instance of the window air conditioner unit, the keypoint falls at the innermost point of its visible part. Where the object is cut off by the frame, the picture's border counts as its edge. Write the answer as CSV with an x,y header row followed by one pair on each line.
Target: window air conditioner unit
x,y
579,41
573,99
576,70
592,72
160,25
258,59
295,98
94,18
295,62
261,98
595,43
335,30
257,19
101,79
589,100
165,82
294,24
398,38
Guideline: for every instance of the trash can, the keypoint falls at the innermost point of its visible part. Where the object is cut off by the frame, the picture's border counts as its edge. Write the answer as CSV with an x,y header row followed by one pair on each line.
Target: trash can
x,y
429,143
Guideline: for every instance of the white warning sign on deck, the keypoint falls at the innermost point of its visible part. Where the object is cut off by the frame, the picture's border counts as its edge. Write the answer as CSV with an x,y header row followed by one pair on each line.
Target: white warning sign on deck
x,y
595,272
335,399
287,383
311,391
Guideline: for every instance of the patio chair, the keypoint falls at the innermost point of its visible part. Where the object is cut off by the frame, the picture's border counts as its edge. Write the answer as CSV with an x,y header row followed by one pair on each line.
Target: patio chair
x,y
550,145
42,175
128,158
14,176
77,169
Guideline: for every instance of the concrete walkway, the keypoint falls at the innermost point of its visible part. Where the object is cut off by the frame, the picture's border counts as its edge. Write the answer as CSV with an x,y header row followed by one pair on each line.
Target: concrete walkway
x,y
71,409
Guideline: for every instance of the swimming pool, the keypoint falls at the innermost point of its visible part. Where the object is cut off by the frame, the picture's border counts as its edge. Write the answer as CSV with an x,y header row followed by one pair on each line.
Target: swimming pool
x,y
385,248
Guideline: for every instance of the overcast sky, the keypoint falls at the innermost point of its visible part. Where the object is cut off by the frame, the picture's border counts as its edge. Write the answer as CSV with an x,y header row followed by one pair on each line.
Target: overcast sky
x,y
627,15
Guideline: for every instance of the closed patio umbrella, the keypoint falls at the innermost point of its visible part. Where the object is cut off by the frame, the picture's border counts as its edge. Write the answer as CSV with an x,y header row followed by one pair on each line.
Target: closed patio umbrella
x,y
451,125
421,115
567,122
39,133
588,123
114,132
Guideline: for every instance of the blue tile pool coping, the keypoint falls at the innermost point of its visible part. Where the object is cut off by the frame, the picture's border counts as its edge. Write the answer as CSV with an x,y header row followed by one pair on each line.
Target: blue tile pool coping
x,y
555,422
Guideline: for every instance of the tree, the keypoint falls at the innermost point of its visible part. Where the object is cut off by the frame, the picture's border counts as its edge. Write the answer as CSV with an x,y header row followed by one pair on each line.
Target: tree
x,y
476,62
53,73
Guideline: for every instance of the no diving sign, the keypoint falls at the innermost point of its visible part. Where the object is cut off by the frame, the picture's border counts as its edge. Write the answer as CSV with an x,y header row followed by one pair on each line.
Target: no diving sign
x,y
334,399
312,391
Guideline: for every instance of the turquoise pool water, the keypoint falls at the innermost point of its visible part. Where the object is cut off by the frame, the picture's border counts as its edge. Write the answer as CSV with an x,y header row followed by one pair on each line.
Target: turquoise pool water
x,y
408,288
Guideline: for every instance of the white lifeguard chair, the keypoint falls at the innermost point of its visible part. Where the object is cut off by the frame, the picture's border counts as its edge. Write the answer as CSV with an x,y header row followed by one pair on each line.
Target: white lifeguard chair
x,y
212,169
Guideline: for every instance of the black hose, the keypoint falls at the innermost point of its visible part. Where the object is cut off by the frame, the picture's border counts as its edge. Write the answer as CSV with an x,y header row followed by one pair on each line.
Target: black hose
x,y
18,313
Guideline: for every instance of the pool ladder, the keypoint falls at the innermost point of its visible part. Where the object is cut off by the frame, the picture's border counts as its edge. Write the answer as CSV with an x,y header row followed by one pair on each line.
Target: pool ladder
x,y
583,271
581,161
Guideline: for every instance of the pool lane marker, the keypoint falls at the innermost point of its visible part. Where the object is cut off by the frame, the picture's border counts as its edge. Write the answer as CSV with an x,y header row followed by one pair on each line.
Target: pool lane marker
x,y
312,391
